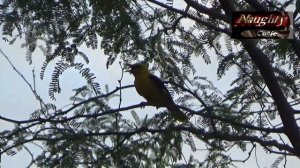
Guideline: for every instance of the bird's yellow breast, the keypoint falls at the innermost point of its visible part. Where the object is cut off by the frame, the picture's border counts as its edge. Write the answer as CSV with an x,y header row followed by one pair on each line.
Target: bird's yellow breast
x,y
146,88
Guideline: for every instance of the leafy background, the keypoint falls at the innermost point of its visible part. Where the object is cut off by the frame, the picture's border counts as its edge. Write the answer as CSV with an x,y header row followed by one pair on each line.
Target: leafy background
x,y
62,50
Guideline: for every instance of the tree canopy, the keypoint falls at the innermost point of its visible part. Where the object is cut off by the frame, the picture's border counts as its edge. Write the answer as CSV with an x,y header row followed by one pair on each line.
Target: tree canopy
x,y
257,108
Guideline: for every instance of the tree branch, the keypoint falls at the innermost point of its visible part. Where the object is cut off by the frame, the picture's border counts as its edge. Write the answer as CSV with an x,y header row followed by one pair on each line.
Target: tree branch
x,y
198,20
259,7
256,5
233,122
295,44
210,12
24,79
286,112
198,132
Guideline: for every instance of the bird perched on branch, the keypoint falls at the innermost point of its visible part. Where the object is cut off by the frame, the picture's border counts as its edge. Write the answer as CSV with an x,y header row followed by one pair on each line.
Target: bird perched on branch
x,y
154,91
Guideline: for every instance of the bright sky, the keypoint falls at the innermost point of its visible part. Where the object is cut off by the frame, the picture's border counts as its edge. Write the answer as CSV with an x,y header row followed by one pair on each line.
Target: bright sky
x,y
18,102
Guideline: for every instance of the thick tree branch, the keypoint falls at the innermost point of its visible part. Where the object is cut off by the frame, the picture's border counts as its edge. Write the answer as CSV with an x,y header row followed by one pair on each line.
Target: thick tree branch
x,y
256,5
196,19
259,7
210,12
286,112
227,6
260,59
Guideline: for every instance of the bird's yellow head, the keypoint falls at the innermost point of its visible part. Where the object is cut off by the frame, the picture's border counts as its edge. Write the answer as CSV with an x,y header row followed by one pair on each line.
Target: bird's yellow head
x,y
139,69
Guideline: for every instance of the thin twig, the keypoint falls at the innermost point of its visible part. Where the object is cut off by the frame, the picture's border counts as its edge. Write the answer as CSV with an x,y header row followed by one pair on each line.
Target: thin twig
x,y
117,113
256,157
248,157
24,79
31,155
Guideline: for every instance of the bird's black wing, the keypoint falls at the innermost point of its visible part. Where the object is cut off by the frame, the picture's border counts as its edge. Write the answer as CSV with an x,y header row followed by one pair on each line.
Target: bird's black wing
x,y
160,85
176,112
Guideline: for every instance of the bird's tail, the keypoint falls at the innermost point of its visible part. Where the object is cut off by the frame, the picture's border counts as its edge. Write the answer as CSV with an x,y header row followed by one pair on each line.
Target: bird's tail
x,y
177,113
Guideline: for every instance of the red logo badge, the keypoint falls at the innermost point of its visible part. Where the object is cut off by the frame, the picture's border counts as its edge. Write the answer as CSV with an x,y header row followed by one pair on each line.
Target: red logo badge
x,y
262,25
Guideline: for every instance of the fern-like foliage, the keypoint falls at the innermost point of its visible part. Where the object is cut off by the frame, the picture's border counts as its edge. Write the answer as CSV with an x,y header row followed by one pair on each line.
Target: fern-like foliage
x,y
54,84
60,67
211,77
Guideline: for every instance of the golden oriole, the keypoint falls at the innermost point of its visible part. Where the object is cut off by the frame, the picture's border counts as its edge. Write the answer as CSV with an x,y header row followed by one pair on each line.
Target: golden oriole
x,y
154,91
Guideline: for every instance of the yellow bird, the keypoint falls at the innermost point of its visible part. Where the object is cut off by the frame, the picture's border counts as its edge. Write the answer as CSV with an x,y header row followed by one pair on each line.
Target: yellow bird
x,y
154,91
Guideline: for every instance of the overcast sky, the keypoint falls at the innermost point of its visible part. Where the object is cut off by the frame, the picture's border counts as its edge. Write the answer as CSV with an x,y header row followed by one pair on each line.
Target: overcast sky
x,y
17,101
